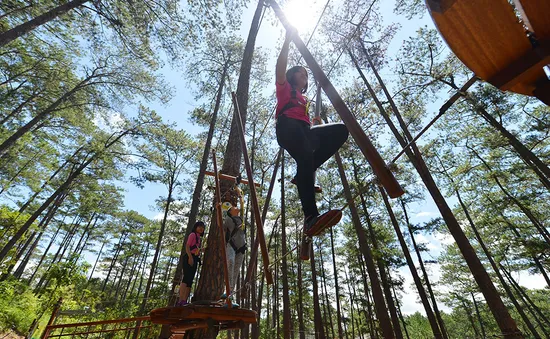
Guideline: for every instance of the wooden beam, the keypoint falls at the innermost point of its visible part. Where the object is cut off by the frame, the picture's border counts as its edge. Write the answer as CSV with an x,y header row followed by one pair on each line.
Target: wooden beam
x,y
527,68
219,219
253,196
229,178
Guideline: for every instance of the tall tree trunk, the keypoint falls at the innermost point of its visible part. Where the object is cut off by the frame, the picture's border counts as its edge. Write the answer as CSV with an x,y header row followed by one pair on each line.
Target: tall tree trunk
x,y
521,239
23,265
534,220
260,293
384,279
378,296
132,277
284,266
425,274
326,306
505,322
534,309
19,253
299,277
96,261
30,25
399,312
233,152
211,282
369,314
42,225
336,286
12,139
52,240
468,312
540,168
489,256
122,271
383,276
318,319
478,314
421,292
114,260
158,247
142,268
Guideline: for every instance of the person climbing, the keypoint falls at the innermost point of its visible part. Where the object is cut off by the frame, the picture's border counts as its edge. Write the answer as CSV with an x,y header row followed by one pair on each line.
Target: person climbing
x,y
191,261
235,239
310,146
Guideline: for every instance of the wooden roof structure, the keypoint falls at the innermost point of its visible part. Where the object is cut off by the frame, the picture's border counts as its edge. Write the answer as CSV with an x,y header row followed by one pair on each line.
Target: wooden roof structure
x,y
198,316
506,45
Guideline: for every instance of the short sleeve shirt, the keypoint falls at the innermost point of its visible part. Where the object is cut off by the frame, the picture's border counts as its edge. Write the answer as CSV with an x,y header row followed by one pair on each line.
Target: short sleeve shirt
x,y
284,95
194,240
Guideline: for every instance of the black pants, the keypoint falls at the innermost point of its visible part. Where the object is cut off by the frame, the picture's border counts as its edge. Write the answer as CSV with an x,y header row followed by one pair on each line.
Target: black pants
x,y
310,147
188,270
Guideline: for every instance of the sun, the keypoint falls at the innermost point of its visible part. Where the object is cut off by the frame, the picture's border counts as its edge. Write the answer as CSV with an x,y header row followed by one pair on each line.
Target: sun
x,y
302,14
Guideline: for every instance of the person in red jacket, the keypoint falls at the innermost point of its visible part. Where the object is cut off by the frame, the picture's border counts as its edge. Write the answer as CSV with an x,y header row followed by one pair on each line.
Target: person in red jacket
x,y
309,146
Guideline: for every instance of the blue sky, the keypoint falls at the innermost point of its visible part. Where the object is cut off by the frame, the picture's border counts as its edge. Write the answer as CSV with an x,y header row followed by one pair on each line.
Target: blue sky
x,y
269,38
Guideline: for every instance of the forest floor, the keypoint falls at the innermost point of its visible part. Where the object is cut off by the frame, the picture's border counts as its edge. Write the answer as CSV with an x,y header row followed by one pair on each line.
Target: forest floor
x,y
10,335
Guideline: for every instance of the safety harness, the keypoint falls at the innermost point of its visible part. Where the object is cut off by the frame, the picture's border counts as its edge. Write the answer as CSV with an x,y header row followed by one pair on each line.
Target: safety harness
x,y
229,237
294,102
197,243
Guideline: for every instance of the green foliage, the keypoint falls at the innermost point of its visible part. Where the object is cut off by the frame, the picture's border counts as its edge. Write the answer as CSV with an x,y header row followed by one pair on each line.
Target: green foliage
x,y
18,304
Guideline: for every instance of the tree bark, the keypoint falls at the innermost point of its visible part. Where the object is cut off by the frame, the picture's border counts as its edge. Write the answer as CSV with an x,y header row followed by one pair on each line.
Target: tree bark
x,y
493,264
12,139
325,292
534,220
425,275
284,265
30,25
540,168
336,287
379,303
505,322
318,319
421,292
158,246
211,282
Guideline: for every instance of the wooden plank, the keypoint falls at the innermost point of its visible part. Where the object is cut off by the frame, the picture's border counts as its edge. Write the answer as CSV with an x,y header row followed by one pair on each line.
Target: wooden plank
x,y
485,35
192,313
229,178
101,322
524,72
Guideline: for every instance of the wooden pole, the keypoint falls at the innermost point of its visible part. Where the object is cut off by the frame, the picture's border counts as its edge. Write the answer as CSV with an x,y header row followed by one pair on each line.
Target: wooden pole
x,y
253,196
367,148
220,225
254,253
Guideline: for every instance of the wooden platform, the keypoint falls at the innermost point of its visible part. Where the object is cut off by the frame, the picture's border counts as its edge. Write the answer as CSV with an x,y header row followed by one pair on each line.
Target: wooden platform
x,y
194,316
490,40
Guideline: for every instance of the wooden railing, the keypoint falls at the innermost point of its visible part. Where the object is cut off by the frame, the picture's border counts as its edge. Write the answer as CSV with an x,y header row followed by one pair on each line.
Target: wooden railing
x,y
88,329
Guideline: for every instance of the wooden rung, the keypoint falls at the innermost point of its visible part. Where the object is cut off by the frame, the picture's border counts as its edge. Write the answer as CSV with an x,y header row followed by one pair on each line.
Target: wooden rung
x,y
229,177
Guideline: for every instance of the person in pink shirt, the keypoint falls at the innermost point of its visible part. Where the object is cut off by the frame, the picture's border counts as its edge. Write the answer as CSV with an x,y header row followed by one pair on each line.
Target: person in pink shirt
x,y
309,146
190,261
